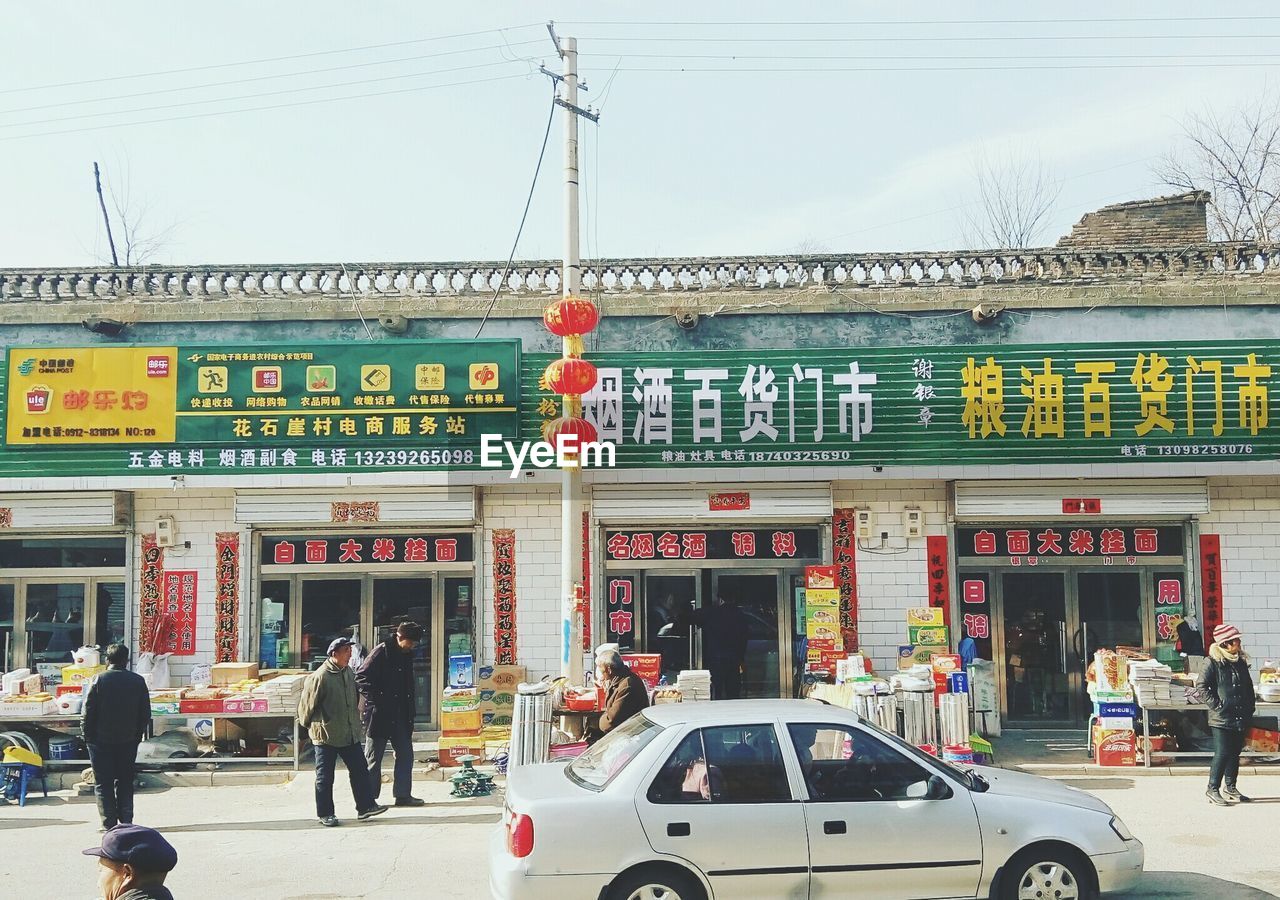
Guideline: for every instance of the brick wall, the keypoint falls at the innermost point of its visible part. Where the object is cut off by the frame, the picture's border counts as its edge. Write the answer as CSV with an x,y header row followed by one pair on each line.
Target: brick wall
x,y
198,515
534,512
892,580
1162,222
1245,511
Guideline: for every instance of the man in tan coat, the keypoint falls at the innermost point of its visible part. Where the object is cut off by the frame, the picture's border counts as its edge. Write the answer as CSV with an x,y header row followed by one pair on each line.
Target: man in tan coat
x,y
328,710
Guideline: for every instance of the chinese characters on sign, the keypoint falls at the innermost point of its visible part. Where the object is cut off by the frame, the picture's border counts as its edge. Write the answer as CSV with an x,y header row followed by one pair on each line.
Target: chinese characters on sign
x,y
1210,585
180,606
150,596
504,596
843,555
6,517
781,544
368,548
620,611
939,583
226,596
975,611
365,511
586,581
1031,544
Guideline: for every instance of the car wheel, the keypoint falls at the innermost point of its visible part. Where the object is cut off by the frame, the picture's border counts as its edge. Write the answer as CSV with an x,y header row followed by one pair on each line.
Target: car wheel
x,y
1046,874
657,883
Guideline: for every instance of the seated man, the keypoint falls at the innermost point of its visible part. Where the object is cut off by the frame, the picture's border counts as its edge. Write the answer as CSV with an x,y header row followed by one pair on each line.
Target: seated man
x,y
625,692
134,862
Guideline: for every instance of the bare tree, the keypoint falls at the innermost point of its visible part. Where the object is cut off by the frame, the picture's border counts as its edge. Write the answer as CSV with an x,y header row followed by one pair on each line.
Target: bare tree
x,y
1016,196
140,239
1236,156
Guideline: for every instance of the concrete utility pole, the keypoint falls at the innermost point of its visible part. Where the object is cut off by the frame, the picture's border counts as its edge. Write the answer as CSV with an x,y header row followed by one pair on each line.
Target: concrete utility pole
x,y
571,506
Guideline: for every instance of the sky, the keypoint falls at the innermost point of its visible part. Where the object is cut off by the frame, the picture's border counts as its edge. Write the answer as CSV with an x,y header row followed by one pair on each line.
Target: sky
x,y
726,127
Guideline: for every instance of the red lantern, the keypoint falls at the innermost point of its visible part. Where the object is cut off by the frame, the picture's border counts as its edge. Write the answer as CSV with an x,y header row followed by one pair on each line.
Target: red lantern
x,y
570,376
571,315
581,428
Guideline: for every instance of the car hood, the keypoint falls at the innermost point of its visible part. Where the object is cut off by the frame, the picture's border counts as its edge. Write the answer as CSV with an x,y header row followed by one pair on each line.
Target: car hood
x,y
1006,783
539,782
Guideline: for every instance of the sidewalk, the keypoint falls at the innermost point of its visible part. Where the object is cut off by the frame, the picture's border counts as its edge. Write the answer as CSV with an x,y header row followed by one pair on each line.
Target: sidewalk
x,y
1058,751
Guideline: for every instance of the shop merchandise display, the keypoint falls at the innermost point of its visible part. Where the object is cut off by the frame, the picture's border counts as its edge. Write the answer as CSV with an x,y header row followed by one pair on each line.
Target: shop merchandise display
x,y
694,684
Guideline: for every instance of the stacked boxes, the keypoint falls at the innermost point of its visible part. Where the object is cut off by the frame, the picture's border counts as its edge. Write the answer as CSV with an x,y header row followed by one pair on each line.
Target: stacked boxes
x,y
460,725
497,685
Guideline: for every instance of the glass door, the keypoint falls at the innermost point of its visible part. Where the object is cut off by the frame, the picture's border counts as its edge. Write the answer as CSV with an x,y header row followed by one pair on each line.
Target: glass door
x,y
8,625
55,621
1109,613
1037,684
330,609
397,600
740,639
665,598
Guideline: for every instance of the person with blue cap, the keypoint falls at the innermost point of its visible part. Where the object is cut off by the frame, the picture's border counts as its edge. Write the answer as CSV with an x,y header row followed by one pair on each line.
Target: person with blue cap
x,y
329,710
133,862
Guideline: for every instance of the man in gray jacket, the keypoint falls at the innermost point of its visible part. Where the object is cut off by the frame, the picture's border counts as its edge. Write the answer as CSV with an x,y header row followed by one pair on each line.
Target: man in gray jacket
x,y
117,712
328,709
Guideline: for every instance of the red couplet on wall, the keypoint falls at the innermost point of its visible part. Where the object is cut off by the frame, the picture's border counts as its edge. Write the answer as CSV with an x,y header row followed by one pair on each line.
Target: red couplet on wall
x,y
843,556
504,596
1210,585
939,583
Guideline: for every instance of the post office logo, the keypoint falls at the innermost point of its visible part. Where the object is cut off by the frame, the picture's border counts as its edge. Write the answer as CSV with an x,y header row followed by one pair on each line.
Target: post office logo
x,y
267,379
428,377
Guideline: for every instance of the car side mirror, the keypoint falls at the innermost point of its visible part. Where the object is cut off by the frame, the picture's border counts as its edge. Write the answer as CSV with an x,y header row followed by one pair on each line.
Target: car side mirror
x,y
938,788
917,791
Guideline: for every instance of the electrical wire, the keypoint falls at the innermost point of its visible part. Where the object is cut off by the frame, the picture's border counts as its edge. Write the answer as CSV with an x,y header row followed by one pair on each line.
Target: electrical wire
x,y
273,106
256,78
267,59
933,56
255,96
685,70
916,23
551,115
928,39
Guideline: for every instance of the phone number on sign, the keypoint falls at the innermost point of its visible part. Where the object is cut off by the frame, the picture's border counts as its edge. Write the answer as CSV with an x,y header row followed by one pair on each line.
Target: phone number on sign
x,y
414,457
801,456
1205,450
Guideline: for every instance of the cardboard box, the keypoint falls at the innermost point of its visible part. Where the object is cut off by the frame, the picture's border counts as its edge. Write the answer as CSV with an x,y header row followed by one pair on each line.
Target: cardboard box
x,y
242,705
928,635
451,748
461,699
1260,740
822,597
491,718
81,674
166,709
28,708
1115,723
1113,709
501,678
68,689
231,673
910,655
1117,748
460,722
925,615
198,707
820,577
647,665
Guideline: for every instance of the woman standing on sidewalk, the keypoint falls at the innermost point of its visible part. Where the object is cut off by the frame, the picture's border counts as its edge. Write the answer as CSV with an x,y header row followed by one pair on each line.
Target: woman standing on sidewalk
x,y
1228,690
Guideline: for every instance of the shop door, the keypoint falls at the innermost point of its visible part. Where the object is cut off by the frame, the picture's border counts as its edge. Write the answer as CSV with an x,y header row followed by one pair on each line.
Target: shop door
x,y
1037,681
55,621
665,598
1109,615
330,609
757,598
397,600
8,620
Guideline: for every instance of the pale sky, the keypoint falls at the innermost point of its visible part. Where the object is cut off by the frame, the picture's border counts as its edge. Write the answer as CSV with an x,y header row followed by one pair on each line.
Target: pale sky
x,y
682,163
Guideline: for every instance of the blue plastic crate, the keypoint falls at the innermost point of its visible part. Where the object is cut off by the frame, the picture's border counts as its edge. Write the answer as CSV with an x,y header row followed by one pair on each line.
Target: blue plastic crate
x,y
1115,710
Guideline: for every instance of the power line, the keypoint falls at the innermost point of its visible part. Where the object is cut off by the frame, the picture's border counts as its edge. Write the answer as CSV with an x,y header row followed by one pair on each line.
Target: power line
x,y
297,90
913,23
268,59
828,69
932,56
256,78
965,39
229,112
551,115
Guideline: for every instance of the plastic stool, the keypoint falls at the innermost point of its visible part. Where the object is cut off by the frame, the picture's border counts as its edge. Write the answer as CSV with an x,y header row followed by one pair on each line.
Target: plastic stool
x,y
18,776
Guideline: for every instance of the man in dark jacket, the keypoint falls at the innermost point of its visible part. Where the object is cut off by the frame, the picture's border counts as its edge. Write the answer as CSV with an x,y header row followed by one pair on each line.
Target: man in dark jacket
x,y
625,692
134,863
724,644
385,683
117,711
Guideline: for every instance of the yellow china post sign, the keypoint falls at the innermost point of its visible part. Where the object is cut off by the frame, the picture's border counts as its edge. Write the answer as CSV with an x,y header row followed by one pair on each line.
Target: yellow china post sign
x,y
92,395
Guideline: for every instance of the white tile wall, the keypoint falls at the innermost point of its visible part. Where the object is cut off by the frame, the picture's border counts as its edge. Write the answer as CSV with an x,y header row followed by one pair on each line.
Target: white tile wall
x,y
893,579
198,516
1245,513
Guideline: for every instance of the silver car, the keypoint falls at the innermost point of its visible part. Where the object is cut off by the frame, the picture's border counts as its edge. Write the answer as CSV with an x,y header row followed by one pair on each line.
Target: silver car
x,y
799,799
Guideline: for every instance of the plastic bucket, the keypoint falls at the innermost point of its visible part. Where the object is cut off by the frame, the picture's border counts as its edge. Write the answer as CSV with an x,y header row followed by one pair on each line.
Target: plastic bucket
x,y
61,748
957,753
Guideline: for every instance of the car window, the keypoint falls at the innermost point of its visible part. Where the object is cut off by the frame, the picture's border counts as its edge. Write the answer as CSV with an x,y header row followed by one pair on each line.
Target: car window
x,y
602,762
732,764
846,764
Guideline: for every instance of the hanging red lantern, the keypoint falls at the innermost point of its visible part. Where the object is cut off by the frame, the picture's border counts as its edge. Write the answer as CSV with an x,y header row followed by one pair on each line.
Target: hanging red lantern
x,y
571,315
570,376
582,429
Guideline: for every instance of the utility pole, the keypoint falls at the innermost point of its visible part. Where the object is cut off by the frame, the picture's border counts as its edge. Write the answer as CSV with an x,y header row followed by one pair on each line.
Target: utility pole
x,y
571,506
97,180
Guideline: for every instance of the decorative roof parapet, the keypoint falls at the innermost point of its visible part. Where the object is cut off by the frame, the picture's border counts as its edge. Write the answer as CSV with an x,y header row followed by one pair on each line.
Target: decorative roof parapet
x,y
1046,266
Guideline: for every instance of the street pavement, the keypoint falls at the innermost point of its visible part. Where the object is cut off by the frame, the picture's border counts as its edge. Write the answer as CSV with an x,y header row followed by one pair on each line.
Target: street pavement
x,y
263,842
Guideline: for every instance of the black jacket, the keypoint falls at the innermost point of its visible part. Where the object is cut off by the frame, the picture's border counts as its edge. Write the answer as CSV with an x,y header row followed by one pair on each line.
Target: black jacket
x,y
117,708
385,683
1228,689
724,634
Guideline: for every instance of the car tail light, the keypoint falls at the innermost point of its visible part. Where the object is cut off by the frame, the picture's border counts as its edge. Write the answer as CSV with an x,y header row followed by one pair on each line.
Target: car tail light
x,y
519,834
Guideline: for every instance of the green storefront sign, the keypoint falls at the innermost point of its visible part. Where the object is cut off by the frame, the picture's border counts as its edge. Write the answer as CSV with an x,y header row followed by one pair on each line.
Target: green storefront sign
x,y
153,409
887,406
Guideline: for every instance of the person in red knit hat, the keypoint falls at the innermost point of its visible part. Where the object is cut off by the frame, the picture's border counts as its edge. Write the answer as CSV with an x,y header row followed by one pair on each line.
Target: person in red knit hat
x,y
1227,688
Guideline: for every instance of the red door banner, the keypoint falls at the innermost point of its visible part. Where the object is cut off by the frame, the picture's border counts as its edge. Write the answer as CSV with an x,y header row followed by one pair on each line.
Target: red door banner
x,y
939,583
843,555
180,606
504,597
586,581
226,596
149,578
1210,585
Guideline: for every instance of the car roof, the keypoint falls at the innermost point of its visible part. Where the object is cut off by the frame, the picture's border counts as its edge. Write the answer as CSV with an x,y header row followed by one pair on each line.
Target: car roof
x,y
729,712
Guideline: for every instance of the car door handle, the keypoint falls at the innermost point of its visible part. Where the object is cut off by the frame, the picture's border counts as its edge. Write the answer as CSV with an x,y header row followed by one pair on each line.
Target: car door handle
x,y
677,829
837,827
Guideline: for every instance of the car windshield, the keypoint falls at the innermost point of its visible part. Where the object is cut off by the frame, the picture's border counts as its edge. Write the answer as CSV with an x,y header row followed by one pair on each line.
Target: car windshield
x,y
610,755
970,779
